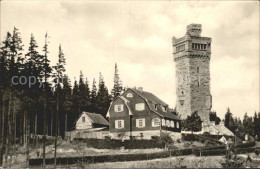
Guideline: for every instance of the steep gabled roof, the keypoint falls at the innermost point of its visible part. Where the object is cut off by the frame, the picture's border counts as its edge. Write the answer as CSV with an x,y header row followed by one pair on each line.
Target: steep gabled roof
x,y
153,100
95,118
150,97
126,103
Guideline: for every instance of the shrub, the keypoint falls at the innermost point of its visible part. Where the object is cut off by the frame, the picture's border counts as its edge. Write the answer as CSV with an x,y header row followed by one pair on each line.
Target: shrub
x,y
256,152
206,134
246,145
178,140
143,144
188,137
155,137
165,139
186,145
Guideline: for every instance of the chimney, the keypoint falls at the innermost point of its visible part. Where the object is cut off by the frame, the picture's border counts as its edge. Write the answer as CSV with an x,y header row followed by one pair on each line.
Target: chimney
x,y
140,88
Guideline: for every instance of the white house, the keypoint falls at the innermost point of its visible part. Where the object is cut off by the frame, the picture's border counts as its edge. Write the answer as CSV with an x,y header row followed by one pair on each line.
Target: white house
x,y
89,125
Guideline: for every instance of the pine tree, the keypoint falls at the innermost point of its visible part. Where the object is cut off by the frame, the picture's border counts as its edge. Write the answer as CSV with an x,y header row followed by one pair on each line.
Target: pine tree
x,y
46,86
117,84
75,101
5,55
67,100
93,97
103,98
59,75
228,119
84,100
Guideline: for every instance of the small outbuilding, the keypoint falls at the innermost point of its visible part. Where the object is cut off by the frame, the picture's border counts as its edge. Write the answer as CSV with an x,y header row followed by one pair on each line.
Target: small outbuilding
x,y
90,120
89,125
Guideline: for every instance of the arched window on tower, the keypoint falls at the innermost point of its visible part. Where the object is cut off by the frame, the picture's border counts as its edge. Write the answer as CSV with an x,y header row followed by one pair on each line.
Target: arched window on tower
x,y
198,83
198,69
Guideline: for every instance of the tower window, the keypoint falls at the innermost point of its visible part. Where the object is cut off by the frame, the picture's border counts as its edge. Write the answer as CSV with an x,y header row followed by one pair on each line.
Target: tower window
x,y
198,69
182,92
198,84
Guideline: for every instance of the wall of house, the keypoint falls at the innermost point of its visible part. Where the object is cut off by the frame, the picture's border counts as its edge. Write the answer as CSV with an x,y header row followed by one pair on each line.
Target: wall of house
x,y
83,125
144,114
83,134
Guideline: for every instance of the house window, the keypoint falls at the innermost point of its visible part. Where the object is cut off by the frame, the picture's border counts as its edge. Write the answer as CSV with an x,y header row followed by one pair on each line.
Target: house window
x,y
139,106
168,123
177,125
119,124
140,123
172,124
129,95
156,122
83,119
119,108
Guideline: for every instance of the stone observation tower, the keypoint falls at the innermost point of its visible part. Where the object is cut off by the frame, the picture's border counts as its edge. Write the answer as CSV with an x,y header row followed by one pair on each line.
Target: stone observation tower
x,y
192,57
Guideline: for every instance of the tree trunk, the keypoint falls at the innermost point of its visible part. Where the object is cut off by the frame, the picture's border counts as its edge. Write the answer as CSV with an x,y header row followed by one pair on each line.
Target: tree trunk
x,y
51,123
2,129
9,133
66,124
24,130
56,132
28,138
35,129
21,130
44,130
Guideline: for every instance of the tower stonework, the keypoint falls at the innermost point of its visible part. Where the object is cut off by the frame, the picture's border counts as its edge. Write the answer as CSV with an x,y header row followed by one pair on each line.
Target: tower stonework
x,y
192,58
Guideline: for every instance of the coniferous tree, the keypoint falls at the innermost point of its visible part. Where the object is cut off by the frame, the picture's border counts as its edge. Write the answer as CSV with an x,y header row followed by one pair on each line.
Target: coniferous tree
x,y
192,123
84,100
75,101
46,88
67,100
228,119
87,95
93,97
213,117
117,84
59,75
103,98
5,54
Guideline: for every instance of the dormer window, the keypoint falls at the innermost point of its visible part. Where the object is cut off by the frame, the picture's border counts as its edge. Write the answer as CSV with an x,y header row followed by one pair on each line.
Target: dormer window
x,y
164,108
83,119
155,106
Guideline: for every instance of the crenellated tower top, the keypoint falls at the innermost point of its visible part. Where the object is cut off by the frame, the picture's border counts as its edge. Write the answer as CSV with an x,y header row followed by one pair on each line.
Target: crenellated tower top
x,y
194,29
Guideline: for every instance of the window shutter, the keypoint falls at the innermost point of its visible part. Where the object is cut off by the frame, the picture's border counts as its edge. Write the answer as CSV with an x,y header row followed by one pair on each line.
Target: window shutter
x,y
143,122
115,108
123,123
153,123
116,124
137,122
163,122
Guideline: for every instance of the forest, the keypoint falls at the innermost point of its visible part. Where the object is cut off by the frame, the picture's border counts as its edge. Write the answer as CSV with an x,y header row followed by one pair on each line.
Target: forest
x,y
37,98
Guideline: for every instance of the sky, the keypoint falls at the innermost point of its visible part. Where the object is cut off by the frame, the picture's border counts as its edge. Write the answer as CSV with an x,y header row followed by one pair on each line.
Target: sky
x,y
137,35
